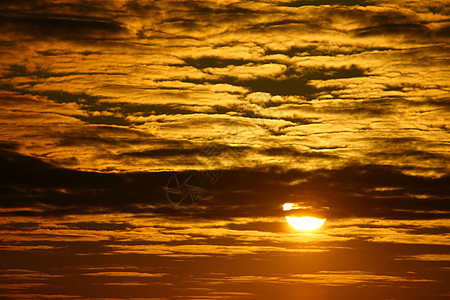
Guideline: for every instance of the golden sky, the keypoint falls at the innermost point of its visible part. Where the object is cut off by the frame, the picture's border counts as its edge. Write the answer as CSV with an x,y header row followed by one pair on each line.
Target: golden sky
x,y
107,105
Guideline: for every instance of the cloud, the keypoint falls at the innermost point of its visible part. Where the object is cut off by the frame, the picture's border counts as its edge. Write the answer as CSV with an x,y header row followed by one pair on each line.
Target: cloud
x,y
61,27
299,3
363,191
25,275
426,257
126,274
332,278
212,150
294,81
199,77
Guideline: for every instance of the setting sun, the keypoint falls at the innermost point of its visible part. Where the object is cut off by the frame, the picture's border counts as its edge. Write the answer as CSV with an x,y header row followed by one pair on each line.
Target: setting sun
x,y
305,223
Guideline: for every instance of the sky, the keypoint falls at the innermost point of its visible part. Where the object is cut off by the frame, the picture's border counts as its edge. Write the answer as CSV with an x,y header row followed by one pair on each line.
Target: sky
x,y
147,149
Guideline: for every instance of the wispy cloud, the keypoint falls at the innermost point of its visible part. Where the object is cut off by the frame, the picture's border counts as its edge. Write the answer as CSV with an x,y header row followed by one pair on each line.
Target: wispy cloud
x,y
199,73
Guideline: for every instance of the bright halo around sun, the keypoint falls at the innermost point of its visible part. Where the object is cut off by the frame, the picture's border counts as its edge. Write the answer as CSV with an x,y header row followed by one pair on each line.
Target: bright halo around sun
x,y
305,223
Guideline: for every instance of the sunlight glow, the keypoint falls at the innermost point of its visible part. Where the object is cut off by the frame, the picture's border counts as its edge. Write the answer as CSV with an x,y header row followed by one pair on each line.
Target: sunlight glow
x,y
305,223
288,206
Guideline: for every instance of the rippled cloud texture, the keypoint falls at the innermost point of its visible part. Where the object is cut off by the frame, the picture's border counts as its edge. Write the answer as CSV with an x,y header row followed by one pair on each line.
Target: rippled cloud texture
x,y
103,103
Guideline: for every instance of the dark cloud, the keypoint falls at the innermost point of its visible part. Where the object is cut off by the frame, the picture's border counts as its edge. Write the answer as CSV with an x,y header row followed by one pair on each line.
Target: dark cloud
x,y
214,62
22,71
21,3
62,27
444,32
56,52
96,136
118,226
88,103
32,181
324,49
56,95
358,191
140,7
293,81
414,30
299,3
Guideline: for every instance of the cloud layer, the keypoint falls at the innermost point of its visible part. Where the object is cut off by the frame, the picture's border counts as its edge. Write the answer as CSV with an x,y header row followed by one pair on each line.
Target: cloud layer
x,y
335,85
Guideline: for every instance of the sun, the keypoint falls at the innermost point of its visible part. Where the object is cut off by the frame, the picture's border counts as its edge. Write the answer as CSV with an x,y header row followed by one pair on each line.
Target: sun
x,y
305,223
